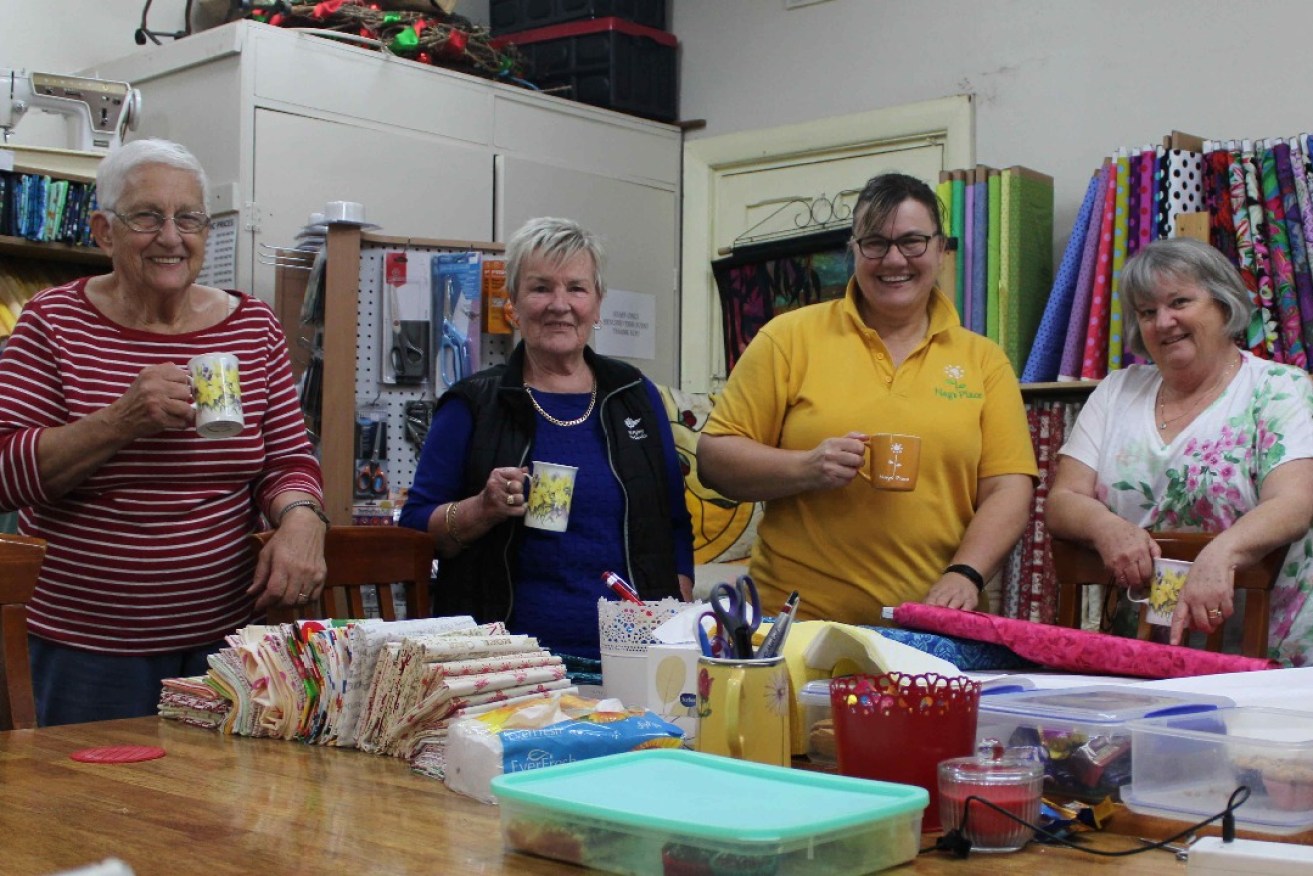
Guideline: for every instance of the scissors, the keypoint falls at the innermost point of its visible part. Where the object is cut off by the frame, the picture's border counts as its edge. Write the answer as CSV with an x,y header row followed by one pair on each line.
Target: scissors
x,y
371,480
715,645
738,609
453,347
407,357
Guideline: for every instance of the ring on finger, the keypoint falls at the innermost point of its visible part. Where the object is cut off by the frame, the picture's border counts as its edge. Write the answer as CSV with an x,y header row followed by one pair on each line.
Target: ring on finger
x,y
1214,612
510,499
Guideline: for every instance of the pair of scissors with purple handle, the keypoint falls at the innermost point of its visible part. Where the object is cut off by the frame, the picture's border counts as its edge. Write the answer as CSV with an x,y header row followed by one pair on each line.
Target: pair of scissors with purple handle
x,y
738,609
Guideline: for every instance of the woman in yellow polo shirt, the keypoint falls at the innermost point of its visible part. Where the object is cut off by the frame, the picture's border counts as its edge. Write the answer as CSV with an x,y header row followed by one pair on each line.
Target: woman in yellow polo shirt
x,y
816,383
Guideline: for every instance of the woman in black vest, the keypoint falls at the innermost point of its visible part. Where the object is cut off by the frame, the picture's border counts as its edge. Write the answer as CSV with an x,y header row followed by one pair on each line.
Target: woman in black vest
x,y
554,401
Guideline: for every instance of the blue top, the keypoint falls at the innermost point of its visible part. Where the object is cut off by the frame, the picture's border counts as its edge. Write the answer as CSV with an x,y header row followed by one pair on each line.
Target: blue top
x,y
558,577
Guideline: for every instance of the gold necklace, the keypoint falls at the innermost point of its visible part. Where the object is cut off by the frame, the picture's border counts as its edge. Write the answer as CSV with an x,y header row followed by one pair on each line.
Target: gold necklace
x,y
592,400
1163,422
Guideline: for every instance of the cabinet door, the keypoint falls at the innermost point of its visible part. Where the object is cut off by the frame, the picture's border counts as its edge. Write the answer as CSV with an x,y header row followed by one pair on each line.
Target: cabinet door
x,y
637,223
411,185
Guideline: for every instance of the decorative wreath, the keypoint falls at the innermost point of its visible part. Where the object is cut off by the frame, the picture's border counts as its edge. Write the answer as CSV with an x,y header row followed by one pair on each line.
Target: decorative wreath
x,y
421,30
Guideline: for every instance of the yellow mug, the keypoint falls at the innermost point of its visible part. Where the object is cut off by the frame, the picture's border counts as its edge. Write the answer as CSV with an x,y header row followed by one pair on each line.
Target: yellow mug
x,y
894,463
744,709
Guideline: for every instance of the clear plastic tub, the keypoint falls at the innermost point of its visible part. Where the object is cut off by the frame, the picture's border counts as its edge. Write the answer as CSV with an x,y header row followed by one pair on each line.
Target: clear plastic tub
x,y
1186,767
818,722
678,813
1082,733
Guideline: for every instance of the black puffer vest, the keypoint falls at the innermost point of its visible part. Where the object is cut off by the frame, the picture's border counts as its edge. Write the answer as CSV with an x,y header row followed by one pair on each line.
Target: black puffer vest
x,y
478,580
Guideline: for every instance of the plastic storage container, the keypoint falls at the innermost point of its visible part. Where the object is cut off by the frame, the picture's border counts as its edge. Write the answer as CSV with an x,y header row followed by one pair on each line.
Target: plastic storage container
x,y
509,16
606,62
818,721
1082,732
1186,767
677,813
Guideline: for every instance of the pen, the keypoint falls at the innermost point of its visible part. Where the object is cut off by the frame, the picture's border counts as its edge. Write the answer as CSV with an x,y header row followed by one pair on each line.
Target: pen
x,y
774,641
622,588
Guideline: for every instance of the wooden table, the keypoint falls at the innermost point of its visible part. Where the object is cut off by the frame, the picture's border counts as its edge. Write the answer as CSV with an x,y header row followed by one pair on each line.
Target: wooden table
x,y
218,804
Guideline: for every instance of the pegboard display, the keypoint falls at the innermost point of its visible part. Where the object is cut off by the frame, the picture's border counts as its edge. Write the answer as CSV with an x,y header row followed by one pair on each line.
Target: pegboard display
x,y
373,340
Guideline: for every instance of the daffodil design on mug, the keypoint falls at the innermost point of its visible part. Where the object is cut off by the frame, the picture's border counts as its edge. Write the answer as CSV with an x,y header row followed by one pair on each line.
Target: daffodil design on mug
x,y
217,387
550,493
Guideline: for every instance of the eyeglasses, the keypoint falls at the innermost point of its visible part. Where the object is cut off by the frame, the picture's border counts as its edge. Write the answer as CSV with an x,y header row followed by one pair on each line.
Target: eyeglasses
x,y
152,221
910,245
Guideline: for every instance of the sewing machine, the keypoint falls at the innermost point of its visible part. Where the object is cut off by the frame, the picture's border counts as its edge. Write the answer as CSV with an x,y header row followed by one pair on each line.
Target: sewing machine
x,y
98,112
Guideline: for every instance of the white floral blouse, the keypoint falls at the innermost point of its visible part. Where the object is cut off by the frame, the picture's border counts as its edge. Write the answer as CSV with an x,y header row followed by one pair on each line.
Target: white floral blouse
x,y
1205,478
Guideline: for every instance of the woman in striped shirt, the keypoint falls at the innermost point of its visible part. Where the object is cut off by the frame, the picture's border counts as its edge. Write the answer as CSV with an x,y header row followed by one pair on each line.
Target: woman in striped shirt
x,y
146,567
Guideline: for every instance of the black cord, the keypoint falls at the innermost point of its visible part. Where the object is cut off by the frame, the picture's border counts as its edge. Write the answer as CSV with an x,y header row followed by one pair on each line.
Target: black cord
x,y
955,840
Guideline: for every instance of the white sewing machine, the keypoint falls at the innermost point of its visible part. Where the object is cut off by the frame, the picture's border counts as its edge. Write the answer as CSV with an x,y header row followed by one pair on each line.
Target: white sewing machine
x,y
98,112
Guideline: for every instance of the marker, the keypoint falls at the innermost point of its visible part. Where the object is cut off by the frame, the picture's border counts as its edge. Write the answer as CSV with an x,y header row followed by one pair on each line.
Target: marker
x,y
773,644
622,588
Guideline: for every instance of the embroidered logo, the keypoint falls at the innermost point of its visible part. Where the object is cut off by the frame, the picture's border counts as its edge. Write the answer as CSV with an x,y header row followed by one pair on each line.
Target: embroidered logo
x,y
635,427
956,385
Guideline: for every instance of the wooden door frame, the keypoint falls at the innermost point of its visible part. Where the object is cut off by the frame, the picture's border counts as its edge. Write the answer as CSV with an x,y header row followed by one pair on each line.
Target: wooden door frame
x,y
949,121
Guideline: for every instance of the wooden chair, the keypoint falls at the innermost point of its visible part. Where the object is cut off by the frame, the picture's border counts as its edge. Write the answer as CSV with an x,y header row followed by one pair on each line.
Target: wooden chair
x,y
361,557
20,561
1077,565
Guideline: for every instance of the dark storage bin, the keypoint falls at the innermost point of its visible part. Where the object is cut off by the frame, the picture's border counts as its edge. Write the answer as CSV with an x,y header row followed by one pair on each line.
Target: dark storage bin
x,y
606,62
510,16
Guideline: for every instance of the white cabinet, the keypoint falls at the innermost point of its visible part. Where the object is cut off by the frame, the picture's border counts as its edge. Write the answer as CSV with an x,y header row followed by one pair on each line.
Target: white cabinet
x,y
285,121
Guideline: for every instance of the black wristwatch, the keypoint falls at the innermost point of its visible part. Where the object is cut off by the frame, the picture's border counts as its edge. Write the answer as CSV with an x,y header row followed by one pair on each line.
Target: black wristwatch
x,y
969,573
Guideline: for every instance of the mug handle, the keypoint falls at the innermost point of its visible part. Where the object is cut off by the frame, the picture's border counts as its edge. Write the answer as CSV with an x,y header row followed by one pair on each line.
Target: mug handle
x,y
866,445
733,694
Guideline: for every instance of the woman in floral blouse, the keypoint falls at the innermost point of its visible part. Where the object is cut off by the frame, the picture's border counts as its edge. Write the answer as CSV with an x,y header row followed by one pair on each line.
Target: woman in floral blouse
x,y
1207,439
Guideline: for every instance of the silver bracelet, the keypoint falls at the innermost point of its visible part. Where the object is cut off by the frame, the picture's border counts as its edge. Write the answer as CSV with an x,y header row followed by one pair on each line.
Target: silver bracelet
x,y
304,503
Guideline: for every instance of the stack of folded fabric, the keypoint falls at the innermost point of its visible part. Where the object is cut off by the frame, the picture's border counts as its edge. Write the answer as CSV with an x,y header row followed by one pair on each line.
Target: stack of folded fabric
x,y
194,701
423,684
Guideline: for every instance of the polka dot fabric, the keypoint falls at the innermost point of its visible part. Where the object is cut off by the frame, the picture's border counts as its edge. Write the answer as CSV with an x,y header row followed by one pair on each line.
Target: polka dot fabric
x,y
1094,364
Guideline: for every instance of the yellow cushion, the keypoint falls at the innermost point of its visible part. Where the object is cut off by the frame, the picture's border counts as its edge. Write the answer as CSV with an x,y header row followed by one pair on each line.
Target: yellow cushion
x,y
723,530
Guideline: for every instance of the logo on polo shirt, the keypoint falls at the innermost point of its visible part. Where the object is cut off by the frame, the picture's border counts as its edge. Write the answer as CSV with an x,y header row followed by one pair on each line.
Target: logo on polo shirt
x,y
635,427
956,384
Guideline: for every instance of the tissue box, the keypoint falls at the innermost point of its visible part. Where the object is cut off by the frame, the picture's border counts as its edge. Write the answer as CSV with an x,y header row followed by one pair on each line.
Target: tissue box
x,y
672,685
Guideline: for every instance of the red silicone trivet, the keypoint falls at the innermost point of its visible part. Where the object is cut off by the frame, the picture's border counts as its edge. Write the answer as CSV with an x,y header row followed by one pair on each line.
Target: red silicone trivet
x,y
118,754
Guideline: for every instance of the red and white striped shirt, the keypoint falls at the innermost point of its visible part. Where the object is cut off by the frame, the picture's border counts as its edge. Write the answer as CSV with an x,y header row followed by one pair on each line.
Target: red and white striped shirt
x,y
147,555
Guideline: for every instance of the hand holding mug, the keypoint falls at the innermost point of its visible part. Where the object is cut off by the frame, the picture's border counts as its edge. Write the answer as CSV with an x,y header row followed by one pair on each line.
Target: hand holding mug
x,y
158,399
504,495
836,461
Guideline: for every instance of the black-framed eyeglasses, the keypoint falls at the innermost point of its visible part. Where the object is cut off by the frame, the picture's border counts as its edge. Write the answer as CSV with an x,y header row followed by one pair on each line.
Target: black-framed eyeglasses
x,y
910,245
152,221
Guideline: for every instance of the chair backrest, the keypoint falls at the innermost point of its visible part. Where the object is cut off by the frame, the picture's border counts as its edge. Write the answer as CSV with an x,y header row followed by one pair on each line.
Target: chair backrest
x,y
1076,565
366,557
20,562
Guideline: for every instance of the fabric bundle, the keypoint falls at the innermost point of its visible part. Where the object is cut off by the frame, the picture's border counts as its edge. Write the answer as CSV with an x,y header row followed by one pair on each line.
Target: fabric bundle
x,y
1000,275
1249,199
194,701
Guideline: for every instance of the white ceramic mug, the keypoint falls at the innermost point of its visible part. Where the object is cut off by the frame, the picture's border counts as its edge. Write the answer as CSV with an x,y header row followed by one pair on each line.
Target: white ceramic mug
x,y
551,490
1164,590
217,390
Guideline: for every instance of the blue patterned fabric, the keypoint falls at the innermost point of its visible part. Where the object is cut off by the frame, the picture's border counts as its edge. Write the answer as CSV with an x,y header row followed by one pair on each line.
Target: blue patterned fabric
x,y
1046,353
966,654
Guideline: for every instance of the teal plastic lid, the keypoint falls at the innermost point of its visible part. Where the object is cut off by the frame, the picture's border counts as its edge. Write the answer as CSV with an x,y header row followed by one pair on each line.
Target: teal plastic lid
x,y
706,796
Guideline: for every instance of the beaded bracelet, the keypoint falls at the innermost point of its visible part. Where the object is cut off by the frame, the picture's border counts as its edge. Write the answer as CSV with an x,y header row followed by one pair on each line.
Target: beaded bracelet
x,y
451,525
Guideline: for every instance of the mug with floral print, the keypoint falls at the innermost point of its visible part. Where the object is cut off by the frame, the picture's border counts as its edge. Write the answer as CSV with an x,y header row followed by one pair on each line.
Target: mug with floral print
x,y
551,490
217,390
743,709
894,462
1164,590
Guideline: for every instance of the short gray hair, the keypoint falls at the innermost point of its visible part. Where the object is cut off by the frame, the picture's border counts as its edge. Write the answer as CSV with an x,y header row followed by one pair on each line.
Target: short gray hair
x,y
556,240
112,175
1187,259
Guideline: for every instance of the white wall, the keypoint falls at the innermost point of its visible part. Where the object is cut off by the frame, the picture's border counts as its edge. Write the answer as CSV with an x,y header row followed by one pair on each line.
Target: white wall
x,y
1058,83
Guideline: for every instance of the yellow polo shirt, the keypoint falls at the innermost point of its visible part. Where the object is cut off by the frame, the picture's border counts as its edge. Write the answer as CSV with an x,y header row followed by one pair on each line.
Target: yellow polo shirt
x,y
819,372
